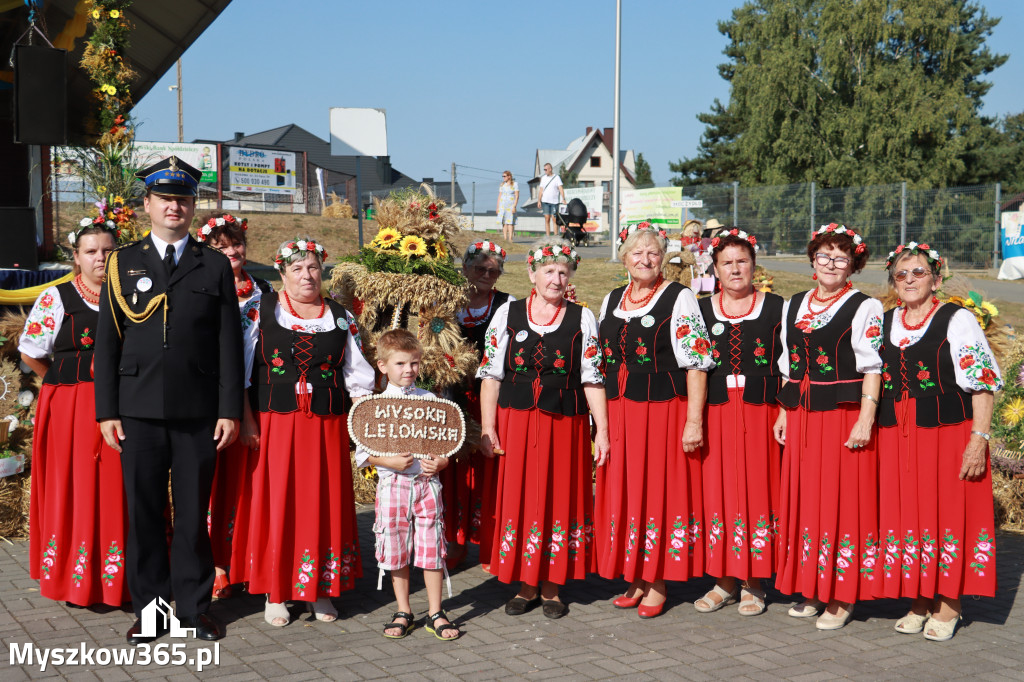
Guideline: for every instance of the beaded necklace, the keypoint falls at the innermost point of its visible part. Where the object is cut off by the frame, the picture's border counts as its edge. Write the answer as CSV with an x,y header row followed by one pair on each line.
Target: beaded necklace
x,y
244,291
88,294
646,299
529,310
903,316
291,308
721,307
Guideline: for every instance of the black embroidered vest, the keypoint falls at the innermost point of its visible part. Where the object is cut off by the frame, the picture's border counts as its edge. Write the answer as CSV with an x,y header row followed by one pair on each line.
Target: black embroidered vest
x,y
477,332
828,352
285,357
643,350
543,372
925,372
73,347
749,347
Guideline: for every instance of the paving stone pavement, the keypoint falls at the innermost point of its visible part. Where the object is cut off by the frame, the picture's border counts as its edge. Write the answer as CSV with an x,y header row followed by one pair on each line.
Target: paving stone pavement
x,y
594,641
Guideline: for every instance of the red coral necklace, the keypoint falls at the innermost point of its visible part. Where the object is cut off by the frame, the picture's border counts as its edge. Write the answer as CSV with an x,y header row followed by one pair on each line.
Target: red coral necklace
x,y
646,299
244,291
88,294
721,307
529,310
908,327
291,308
828,302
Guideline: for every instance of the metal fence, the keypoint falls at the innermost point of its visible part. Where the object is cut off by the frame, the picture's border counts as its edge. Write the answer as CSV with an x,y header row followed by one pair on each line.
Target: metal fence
x,y
961,222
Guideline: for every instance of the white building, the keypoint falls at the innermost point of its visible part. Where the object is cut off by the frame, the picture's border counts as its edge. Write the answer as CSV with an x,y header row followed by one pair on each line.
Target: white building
x,y
590,157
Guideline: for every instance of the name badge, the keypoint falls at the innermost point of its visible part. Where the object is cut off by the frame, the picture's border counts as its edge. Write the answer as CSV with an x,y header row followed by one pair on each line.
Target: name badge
x,y
521,335
647,320
718,329
144,284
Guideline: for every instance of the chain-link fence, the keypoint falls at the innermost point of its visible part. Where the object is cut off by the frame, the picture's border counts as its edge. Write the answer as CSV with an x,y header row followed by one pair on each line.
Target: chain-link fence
x,y
958,221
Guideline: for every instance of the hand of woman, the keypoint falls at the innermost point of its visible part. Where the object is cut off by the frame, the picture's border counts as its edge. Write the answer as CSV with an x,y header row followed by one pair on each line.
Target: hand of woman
x,y
693,435
860,434
250,435
602,448
780,428
489,443
974,459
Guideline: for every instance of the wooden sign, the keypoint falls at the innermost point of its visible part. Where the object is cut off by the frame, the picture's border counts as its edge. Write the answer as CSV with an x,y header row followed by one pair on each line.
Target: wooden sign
x,y
387,425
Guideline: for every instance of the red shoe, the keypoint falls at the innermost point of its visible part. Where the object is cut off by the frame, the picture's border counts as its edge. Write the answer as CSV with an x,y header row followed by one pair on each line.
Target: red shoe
x,y
221,586
625,602
645,611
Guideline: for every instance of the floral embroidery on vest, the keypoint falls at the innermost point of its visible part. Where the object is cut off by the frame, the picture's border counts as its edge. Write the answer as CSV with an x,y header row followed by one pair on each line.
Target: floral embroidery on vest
x,y
641,352
759,353
326,369
886,377
276,362
924,376
794,358
559,363
823,361
519,361
85,338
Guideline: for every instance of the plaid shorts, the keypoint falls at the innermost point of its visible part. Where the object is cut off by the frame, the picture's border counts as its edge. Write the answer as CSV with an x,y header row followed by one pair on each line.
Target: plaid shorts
x,y
409,523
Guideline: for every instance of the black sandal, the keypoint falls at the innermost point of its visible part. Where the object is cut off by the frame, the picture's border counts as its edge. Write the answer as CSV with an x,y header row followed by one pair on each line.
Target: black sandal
x,y
406,627
439,630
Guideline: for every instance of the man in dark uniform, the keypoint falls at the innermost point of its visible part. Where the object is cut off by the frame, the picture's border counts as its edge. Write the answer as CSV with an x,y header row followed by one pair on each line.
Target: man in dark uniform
x,y
168,374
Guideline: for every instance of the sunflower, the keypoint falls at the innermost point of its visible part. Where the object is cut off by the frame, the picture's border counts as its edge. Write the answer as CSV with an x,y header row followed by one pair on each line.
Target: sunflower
x,y
412,246
440,249
387,237
992,310
1014,412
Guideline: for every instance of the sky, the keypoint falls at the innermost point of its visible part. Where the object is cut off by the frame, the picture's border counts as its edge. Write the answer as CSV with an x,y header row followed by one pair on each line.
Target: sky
x,y
480,84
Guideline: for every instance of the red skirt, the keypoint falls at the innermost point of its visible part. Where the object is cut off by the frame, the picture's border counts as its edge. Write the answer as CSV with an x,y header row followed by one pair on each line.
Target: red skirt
x,y
649,507
741,488
828,518
77,513
545,498
303,542
230,500
937,532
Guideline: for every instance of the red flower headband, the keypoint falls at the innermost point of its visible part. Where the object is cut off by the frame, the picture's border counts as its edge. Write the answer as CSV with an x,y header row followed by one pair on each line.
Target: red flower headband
x,y
552,254
834,228
292,250
645,225
751,239
227,219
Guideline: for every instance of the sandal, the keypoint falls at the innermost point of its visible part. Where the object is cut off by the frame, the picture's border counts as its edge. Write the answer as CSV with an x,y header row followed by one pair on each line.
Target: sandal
x,y
406,627
828,621
911,624
439,630
807,609
943,630
756,601
709,605
323,609
274,612
221,586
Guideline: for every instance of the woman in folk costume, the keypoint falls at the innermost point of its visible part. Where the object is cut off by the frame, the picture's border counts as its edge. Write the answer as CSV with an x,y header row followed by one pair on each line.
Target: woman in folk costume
x,y
829,498
230,497
303,542
468,482
742,457
77,515
936,524
540,372
656,354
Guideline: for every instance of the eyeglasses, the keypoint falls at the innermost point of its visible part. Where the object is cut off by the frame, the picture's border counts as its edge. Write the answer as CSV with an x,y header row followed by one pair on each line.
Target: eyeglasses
x,y
491,272
823,259
918,273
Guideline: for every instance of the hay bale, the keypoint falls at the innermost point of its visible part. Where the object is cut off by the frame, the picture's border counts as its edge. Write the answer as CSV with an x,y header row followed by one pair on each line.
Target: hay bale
x,y
338,208
14,505
1008,495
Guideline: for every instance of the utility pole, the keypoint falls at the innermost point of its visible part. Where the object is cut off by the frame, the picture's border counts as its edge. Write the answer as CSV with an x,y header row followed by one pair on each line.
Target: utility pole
x,y
613,219
181,123
453,184
472,220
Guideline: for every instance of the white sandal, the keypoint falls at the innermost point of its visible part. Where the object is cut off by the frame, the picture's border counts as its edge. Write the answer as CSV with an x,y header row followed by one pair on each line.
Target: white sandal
x,y
943,629
807,609
274,612
756,600
323,609
712,606
911,624
827,621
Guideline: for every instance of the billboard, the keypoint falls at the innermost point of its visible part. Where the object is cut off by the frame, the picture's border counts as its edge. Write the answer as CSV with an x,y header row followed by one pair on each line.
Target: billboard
x,y
201,156
654,204
261,170
1013,245
591,198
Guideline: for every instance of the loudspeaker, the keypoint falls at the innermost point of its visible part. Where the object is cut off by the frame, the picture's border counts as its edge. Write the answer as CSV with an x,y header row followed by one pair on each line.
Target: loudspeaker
x,y
40,95
18,235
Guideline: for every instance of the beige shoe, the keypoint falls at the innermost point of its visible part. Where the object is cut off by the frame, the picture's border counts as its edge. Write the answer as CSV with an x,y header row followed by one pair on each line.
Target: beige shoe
x,y
807,609
323,609
708,605
940,631
911,624
751,602
276,614
826,621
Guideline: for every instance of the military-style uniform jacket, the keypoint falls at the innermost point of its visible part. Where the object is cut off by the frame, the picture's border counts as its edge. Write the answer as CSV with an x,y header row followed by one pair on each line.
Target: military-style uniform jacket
x,y
184,360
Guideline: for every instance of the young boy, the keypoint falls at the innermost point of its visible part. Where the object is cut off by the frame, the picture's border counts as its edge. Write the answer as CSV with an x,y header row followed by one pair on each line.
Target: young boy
x,y
408,524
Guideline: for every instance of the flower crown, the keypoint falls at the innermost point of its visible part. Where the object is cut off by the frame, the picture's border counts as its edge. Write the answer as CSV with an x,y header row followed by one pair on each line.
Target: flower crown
x,y
842,229
227,219
735,232
292,250
85,223
631,229
551,254
489,247
917,249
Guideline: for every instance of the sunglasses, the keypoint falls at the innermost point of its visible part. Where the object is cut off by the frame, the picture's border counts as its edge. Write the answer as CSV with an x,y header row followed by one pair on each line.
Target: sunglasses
x,y
918,273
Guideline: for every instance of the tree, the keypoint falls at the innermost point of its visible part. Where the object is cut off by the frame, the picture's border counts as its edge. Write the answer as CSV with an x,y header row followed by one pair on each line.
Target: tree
x,y
844,93
569,178
643,173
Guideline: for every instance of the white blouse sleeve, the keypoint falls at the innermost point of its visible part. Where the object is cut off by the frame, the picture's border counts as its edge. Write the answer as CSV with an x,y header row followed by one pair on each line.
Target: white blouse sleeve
x,y
604,309
42,325
866,336
250,314
495,343
358,374
692,347
590,367
784,360
975,366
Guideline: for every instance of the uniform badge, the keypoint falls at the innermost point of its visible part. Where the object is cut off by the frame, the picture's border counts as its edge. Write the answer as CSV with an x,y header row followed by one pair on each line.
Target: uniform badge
x,y
718,329
521,335
647,320
144,284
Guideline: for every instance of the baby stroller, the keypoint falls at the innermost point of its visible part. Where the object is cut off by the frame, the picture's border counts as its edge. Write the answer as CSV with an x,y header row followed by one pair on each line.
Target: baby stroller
x,y
572,218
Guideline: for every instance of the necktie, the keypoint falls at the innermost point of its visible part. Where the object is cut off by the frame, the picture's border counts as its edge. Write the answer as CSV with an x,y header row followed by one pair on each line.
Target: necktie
x,y
169,260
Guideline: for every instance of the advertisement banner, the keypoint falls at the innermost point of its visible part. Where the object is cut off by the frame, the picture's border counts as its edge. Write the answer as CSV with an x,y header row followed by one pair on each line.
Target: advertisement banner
x,y
201,156
1013,245
591,198
261,170
654,204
